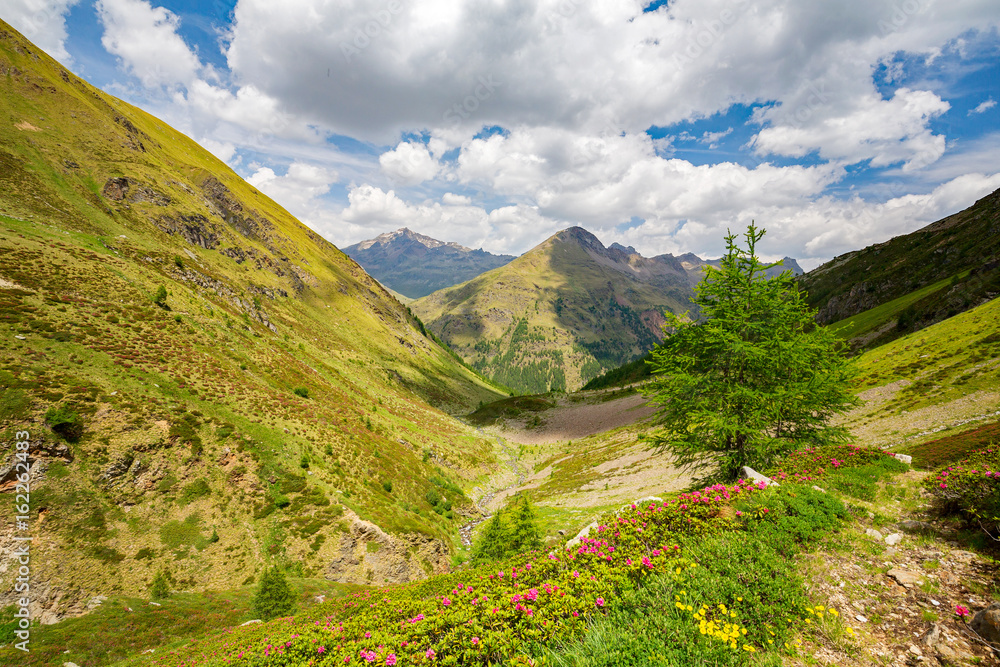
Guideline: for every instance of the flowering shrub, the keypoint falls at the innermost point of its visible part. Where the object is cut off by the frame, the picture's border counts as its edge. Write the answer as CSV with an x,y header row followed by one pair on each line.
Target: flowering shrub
x,y
970,488
503,611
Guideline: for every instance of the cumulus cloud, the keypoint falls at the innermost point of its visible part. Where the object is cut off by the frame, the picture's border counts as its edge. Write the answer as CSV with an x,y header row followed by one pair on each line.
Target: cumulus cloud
x,y
145,39
298,189
43,22
860,127
409,164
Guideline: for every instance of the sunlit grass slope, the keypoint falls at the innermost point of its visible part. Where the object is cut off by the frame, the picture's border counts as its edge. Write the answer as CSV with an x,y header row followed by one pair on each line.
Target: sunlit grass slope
x,y
274,396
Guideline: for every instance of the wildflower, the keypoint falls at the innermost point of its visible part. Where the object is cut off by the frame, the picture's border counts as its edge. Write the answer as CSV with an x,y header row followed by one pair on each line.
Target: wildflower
x,y
475,641
390,659
961,611
600,602
430,654
321,649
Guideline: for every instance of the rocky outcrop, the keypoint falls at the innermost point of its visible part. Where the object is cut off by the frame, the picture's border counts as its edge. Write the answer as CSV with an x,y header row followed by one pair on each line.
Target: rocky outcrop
x,y
195,229
121,188
369,555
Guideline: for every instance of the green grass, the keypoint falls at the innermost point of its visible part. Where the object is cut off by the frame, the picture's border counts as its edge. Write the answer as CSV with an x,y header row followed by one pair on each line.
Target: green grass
x,y
128,626
869,320
192,411
945,361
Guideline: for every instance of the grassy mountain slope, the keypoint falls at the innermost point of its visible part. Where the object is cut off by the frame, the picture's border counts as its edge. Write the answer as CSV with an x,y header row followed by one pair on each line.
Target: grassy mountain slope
x,y
916,279
416,265
274,401
940,380
560,314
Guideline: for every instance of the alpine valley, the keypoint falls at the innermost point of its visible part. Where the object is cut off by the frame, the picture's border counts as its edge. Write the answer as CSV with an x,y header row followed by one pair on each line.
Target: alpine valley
x,y
205,404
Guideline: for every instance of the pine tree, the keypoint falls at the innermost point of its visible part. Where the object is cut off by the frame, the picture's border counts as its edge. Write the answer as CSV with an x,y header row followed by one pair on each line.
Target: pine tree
x,y
159,589
754,379
525,535
490,544
273,597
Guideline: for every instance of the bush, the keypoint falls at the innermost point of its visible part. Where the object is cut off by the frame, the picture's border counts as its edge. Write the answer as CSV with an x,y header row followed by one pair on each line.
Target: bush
x,y
273,597
301,391
195,490
160,297
970,489
65,422
387,485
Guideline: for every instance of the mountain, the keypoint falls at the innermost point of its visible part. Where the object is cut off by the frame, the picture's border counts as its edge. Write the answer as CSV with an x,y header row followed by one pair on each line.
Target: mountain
x,y
416,265
694,263
912,281
208,385
560,314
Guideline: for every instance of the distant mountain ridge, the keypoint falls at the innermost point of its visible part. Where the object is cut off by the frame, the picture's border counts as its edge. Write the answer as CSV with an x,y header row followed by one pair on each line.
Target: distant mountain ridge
x,y
416,265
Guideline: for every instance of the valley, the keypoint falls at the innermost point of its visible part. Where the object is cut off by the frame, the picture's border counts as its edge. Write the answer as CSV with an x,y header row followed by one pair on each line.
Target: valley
x,y
208,391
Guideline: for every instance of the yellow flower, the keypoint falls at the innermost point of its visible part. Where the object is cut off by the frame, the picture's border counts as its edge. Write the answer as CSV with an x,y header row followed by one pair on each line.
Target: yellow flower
x,y
835,612
739,599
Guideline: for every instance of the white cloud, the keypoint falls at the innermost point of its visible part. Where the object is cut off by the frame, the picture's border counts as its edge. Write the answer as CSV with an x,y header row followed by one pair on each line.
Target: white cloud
x,y
855,128
408,164
145,39
298,189
983,106
41,21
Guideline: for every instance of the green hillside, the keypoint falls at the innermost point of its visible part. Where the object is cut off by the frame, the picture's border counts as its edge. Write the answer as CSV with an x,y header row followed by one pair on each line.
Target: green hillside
x,y
560,314
209,386
887,290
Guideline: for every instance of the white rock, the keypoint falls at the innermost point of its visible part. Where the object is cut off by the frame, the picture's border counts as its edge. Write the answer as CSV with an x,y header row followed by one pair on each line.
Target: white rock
x,y
861,618
752,474
70,664
256,620
935,603
871,532
894,539
905,458
583,533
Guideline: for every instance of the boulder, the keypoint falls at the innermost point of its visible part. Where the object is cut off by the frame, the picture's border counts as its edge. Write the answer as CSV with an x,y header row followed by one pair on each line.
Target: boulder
x,y
905,458
753,475
894,539
986,623
874,534
905,577
583,533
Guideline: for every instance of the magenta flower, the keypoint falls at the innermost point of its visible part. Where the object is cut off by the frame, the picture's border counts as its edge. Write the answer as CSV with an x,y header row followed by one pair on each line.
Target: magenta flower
x,y
430,653
961,611
475,641
599,602
321,649
390,659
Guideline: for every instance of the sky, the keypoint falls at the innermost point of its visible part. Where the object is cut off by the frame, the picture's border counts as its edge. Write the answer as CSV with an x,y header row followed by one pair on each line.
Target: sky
x,y
496,123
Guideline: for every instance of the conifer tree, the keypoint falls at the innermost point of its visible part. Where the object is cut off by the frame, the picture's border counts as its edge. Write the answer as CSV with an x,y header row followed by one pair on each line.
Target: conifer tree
x,y
525,535
159,589
273,597
755,378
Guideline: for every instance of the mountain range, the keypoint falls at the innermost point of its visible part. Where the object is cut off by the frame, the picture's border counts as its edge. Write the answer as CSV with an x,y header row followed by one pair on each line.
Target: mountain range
x,y
564,312
415,265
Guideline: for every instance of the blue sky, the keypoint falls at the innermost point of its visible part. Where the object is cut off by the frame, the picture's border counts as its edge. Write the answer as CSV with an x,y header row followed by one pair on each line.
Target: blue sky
x,y
496,123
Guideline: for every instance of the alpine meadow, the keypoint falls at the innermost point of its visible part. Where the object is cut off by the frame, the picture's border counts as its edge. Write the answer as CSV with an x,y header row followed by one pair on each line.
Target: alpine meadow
x,y
536,334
